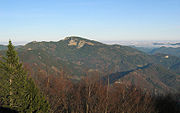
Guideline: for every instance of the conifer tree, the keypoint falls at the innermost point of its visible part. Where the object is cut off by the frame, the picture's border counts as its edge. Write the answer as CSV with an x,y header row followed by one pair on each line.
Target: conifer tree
x,y
19,91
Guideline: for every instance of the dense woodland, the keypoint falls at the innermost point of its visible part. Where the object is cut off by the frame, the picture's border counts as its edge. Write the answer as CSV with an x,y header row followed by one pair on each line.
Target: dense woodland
x,y
59,94
17,90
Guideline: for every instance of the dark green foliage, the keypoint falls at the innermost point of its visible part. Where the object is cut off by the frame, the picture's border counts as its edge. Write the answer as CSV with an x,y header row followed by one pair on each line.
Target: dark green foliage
x,y
7,110
18,91
4,88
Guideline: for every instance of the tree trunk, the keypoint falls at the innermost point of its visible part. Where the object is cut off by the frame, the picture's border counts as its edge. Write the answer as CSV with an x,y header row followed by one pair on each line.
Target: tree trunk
x,y
107,95
10,92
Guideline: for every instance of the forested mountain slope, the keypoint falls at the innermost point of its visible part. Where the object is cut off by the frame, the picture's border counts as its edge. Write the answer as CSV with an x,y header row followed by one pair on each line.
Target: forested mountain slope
x,y
76,57
151,77
79,56
167,50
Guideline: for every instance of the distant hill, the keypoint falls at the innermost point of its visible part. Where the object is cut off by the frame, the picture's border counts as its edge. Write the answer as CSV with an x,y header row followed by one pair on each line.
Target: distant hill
x,y
176,44
151,77
167,50
166,56
170,62
2,47
145,49
175,51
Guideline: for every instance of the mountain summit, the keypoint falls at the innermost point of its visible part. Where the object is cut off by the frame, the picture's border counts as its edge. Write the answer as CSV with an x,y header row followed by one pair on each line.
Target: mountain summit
x,y
78,42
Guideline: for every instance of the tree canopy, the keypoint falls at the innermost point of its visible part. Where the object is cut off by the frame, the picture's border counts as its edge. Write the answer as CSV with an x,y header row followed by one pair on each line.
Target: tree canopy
x,y
18,90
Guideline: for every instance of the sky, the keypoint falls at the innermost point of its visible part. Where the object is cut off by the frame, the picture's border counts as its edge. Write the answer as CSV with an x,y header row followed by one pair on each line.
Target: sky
x,y
52,20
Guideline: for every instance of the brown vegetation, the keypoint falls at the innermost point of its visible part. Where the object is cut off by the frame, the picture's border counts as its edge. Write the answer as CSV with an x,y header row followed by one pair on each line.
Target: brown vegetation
x,y
91,96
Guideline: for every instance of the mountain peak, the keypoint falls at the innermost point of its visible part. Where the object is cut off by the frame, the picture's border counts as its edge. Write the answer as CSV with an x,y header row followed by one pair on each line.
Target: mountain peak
x,y
74,38
78,41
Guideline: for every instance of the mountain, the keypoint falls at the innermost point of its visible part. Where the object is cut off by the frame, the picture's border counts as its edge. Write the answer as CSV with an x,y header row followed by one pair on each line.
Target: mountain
x,y
167,50
76,57
4,47
170,62
173,51
145,49
176,44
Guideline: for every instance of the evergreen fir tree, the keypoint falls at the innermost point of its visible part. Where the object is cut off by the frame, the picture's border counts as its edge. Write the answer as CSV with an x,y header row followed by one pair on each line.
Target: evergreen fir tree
x,y
19,91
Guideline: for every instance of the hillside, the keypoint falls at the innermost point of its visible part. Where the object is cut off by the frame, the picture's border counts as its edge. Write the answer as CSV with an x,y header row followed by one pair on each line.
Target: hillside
x,y
167,50
151,77
78,56
145,49
170,62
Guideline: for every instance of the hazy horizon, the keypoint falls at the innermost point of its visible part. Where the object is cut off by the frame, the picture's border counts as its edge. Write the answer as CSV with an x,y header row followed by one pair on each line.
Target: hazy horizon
x,y
141,43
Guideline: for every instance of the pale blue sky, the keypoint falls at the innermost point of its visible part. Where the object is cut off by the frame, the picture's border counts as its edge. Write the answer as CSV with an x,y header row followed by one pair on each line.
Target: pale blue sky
x,y
28,20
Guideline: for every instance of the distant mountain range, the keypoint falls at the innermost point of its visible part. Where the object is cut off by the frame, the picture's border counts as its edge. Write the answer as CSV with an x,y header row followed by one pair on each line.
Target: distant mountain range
x,y
164,44
147,43
167,50
162,50
77,57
